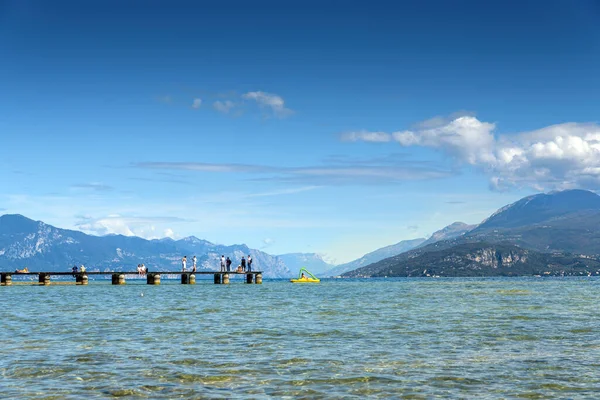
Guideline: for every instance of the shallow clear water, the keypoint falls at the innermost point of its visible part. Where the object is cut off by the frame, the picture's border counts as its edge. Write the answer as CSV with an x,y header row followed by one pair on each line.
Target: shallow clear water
x,y
413,338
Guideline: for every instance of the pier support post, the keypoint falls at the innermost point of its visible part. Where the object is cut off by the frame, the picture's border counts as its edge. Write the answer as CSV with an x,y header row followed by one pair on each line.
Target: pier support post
x,y
226,279
6,279
185,279
258,279
44,279
249,278
153,279
81,279
217,279
118,279
192,279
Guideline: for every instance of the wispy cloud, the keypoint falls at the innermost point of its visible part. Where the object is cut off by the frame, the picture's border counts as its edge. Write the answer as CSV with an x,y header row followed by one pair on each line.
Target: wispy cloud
x,y
165,99
234,103
224,106
283,191
165,180
366,136
324,175
555,157
205,167
273,102
96,186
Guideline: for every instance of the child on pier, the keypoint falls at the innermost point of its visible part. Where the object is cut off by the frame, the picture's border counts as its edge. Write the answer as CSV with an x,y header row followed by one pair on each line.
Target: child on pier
x,y
183,263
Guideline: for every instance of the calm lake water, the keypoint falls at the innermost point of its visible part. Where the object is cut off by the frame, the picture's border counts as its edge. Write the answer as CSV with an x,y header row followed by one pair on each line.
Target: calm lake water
x,y
391,338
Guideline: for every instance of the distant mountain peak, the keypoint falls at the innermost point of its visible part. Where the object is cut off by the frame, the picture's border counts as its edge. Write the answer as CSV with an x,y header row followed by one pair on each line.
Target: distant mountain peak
x,y
541,207
193,239
451,231
15,217
18,223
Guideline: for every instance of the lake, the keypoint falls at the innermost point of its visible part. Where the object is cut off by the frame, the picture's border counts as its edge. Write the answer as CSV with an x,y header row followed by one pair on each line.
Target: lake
x,y
389,338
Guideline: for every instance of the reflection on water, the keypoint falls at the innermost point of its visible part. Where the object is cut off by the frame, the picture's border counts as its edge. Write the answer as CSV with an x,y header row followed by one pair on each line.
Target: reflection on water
x,y
413,338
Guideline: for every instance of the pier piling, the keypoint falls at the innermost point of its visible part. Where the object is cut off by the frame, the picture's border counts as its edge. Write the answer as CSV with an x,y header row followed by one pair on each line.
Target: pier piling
x,y
44,279
188,279
153,279
258,279
217,279
249,278
6,279
226,279
118,279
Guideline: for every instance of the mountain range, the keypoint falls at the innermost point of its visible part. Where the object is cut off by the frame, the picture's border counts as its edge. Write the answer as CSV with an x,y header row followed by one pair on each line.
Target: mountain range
x,y
544,233
481,259
451,231
37,245
24,242
559,224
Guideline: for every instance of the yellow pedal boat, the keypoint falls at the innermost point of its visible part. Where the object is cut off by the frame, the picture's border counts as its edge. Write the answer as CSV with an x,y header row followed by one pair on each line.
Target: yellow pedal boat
x,y
308,278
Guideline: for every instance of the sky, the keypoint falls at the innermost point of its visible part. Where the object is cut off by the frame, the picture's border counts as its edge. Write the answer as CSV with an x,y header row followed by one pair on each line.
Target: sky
x,y
333,127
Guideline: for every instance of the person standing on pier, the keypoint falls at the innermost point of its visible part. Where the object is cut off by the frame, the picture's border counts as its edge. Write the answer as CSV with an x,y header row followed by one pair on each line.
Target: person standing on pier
x,y
228,262
194,264
74,270
183,263
243,265
249,263
223,262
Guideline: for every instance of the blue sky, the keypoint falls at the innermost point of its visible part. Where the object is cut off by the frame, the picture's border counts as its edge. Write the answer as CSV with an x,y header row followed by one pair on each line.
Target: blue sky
x,y
329,127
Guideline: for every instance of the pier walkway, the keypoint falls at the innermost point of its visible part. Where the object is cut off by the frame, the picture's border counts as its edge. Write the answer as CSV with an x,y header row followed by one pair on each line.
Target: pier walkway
x,y
118,278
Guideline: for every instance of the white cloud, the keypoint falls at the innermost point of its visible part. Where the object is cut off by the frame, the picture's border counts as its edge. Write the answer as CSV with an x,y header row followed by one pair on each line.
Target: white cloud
x,y
555,157
105,226
365,136
267,242
128,226
169,233
223,106
271,101
197,103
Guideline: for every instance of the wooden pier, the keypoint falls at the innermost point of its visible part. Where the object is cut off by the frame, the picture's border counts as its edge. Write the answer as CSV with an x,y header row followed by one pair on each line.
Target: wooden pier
x,y
118,278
